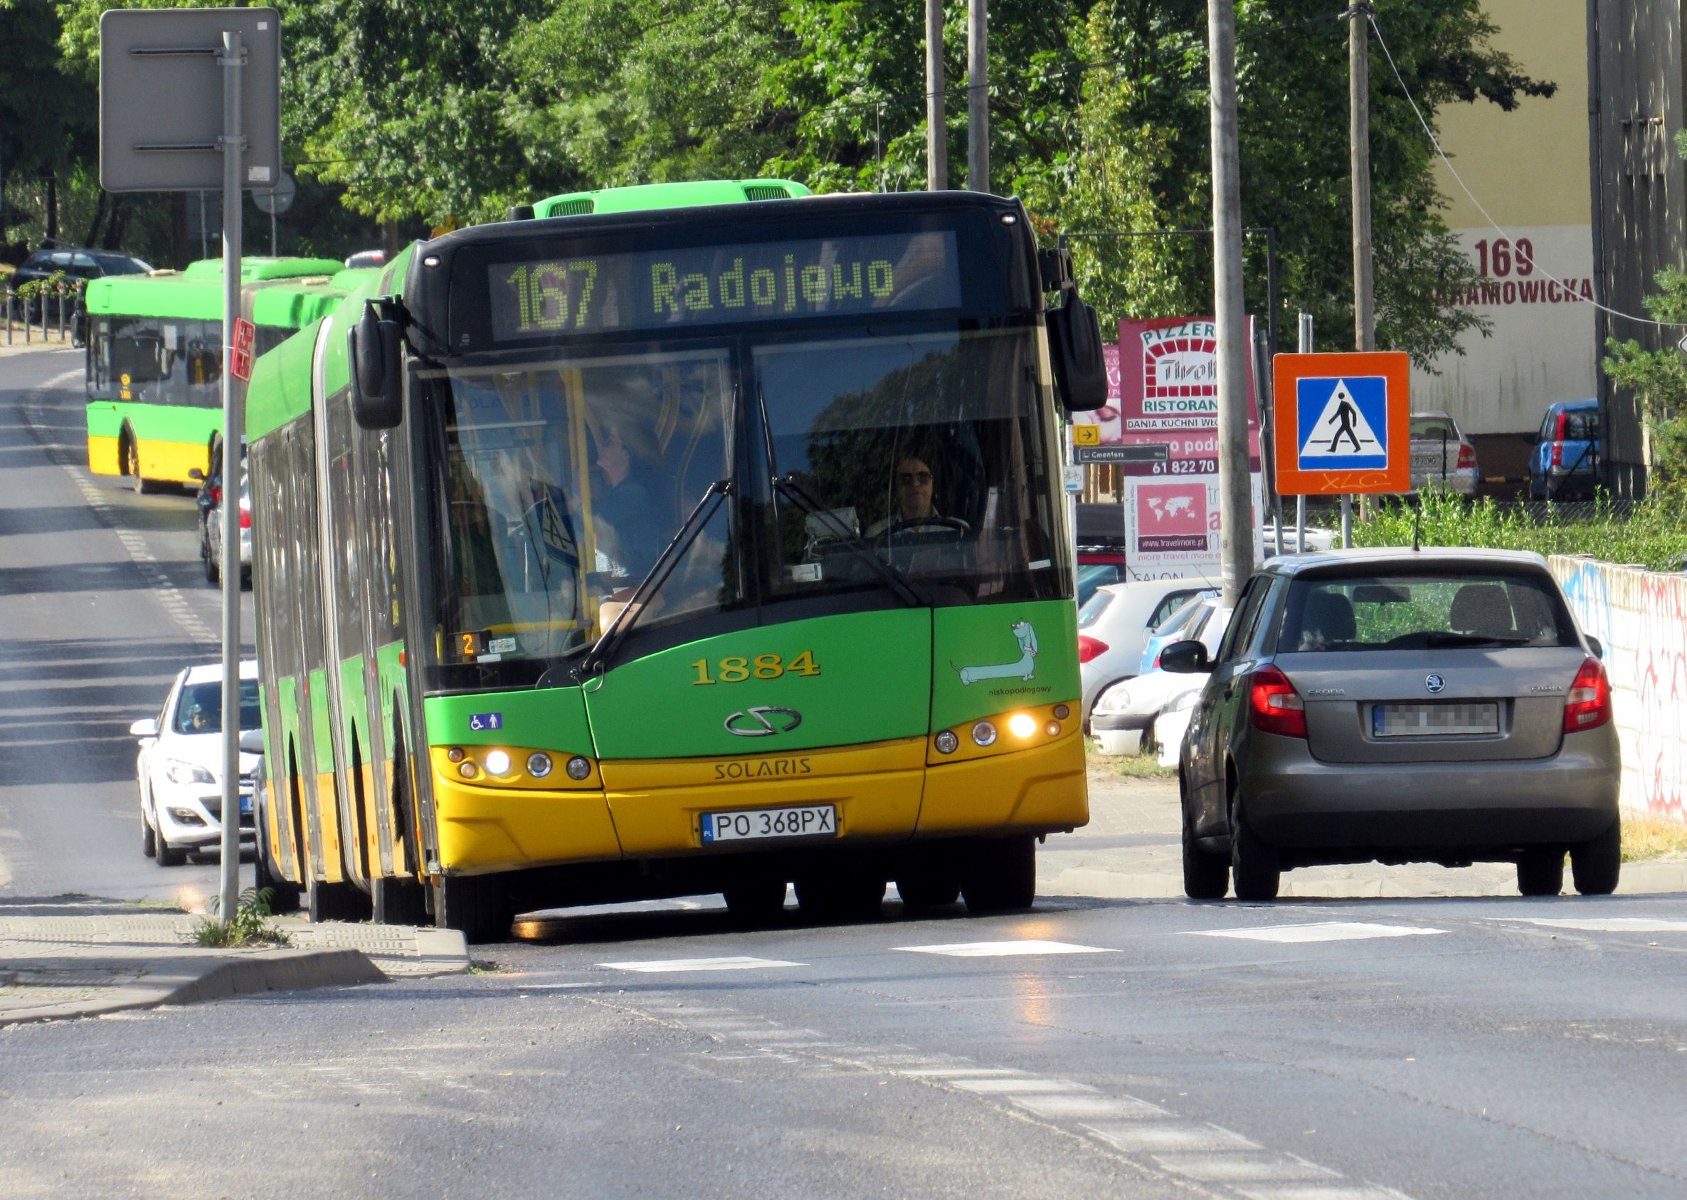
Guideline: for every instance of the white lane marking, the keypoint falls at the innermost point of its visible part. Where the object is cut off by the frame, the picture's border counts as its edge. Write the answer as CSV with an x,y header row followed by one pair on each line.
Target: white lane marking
x,y
1074,1106
1024,1085
1138,1137
1604,924
1322,1191
1325,931
1004,949
1243,1167
734,963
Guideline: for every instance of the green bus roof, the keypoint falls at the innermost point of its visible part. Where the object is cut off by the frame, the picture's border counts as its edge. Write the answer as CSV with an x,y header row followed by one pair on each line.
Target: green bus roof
x,y
277,292
668,195
280,386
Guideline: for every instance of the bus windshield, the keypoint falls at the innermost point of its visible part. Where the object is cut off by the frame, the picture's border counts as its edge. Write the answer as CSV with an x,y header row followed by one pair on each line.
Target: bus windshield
x,y
862,469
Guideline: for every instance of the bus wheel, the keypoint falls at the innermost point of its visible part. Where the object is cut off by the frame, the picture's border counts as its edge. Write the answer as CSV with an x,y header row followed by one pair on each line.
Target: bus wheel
x,y
477,906
755,901
1001,875
928,888
283,894
132,467
833,896
334,901
398,901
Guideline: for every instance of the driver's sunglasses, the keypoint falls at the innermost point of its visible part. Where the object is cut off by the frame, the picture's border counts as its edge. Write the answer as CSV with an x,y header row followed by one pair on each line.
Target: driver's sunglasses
x,y
910,478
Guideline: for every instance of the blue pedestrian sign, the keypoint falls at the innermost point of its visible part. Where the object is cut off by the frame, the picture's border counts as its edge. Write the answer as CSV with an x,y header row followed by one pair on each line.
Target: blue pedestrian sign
x,y
1341,423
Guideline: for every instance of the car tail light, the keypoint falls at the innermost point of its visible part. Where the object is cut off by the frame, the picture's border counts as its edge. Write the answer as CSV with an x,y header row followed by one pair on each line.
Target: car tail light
x,y
1089,647
1276,706
1558,454
1588,706
245,518
1467,458
216,494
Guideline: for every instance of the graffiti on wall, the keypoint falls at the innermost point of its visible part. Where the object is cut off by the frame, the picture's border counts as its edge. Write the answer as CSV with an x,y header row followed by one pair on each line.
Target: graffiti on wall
x,y
1640,617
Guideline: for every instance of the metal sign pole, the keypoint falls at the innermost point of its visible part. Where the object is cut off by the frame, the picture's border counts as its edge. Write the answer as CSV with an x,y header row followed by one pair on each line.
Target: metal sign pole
x,y
232,144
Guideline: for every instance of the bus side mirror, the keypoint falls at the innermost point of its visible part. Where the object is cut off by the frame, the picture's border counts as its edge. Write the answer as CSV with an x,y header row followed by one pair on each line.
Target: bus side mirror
x,y
377,391
1080,372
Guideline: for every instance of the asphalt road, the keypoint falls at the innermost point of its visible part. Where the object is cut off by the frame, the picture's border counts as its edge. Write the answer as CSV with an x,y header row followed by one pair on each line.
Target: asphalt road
x,y
102,600
1330,1049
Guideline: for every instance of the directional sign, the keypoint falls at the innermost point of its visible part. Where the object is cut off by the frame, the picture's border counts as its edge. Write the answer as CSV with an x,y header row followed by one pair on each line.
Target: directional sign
x,y
1343,423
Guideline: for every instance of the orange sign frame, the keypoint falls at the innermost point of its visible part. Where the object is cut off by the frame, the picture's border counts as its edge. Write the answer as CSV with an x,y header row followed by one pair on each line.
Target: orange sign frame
x,y
1394,369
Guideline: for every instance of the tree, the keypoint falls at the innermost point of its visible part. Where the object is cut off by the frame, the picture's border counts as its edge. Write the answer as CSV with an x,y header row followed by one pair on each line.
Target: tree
x,y
1659,379
48,116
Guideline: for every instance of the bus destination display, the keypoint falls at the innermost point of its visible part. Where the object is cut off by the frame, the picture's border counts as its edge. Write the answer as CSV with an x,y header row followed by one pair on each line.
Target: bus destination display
x,y
723,284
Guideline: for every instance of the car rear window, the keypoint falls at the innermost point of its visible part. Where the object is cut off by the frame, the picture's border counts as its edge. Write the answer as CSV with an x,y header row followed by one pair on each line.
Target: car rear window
x,y
1092,609
1424,610
1434,428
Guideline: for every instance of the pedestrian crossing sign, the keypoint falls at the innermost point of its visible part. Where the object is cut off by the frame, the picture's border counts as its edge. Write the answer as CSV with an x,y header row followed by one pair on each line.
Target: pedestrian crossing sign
x,y
1341,423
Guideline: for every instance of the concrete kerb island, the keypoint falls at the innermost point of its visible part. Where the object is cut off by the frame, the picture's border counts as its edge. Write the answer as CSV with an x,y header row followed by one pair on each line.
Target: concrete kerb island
x,y
77,957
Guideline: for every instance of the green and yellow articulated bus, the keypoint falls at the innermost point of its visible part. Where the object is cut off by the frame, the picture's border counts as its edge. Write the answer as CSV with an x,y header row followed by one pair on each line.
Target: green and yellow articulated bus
x,y
692,542
155,358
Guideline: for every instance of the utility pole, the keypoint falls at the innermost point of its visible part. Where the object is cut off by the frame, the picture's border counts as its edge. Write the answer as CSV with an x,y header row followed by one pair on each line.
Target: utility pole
x,y
978,97
1235,502
1359,150
937,133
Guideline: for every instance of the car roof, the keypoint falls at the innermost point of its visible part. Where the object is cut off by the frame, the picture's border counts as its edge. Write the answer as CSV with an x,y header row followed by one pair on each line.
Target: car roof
x,y
1384,557
207,672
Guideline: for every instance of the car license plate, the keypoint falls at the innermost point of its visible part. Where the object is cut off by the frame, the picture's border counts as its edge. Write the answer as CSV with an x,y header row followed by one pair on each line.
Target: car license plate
x,y
245,806
753,824
1434,720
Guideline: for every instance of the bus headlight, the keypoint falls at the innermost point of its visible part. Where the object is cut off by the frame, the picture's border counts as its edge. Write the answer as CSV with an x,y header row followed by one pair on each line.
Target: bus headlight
x,y
538,764
578,768
498,762
984,733
467,770
946,742
1022,725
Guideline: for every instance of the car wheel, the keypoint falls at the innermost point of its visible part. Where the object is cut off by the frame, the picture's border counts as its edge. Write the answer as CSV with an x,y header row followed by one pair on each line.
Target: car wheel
x,y
212,574
210,563
928,888
1255,868
758,900
1001,875
1540,872
1596,865
1206,876
149,839
168,855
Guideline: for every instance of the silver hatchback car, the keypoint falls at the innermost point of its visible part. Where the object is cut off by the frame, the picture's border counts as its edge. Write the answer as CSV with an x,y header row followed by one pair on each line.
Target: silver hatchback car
x,y
1399,706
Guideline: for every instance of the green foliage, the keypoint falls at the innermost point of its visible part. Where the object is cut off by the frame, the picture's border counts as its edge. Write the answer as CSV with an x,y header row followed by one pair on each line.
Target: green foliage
x,y
248,927
1659,379
1652,533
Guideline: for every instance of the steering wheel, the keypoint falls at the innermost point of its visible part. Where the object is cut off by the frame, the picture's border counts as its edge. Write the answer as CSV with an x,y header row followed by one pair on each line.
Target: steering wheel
x,y
945,525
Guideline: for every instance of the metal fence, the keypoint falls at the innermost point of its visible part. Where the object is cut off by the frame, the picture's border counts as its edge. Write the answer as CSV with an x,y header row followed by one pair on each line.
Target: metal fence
x,y
45,314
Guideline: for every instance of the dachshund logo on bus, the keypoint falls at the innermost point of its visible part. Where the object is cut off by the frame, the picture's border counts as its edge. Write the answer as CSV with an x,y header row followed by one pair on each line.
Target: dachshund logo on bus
x,y
1024,667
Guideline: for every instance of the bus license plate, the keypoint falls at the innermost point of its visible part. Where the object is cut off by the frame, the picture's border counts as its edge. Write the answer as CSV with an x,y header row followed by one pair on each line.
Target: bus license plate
x,y
752,824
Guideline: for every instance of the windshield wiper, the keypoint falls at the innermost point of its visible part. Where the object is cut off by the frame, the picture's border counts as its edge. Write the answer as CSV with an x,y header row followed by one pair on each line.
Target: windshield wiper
x,y
913,597
597,658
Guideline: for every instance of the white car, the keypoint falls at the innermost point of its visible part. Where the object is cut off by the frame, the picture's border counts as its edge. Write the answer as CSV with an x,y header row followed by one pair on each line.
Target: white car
x,y
1114,624
1125,719
179,768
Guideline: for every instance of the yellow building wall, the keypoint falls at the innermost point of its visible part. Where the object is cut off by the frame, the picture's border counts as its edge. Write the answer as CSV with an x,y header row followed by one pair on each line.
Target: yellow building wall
x,y
1528,169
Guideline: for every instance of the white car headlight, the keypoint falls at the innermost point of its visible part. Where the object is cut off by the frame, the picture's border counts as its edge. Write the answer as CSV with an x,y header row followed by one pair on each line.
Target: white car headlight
x,y
177,771
1116,699
1184,702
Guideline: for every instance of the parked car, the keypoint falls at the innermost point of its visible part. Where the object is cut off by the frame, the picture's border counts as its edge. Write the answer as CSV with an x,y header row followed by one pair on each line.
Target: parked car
x,y
1126,716
1093,575
1402,706
178,770
1564,462
1188,621
1115,622
78,265
1442,456
211,532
